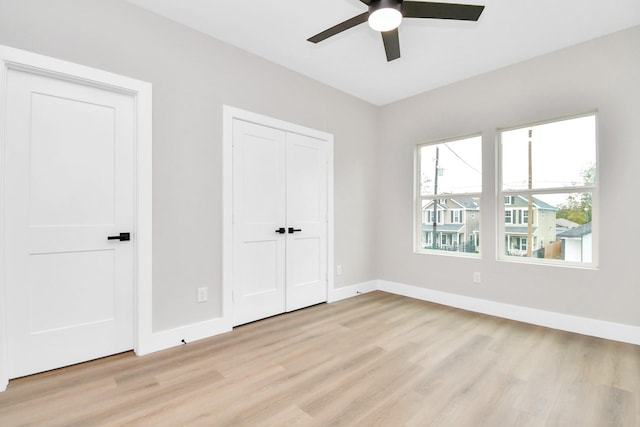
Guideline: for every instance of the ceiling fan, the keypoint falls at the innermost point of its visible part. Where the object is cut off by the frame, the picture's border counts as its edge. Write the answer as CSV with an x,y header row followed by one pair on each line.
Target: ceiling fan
x,y
386,15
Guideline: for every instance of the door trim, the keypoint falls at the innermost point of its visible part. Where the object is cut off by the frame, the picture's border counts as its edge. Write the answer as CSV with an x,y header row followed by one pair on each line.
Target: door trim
x,y
229,114
16,59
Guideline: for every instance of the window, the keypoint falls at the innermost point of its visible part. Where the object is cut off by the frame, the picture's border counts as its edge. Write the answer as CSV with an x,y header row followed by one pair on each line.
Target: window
x,y
547,172
448,187
456,216
430,216
523,244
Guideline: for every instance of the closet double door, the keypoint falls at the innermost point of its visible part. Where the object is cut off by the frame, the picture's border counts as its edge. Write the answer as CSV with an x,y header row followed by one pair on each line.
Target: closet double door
x,y
279,221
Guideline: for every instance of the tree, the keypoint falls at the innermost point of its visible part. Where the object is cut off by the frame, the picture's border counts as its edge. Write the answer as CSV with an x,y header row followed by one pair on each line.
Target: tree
x,y
578,206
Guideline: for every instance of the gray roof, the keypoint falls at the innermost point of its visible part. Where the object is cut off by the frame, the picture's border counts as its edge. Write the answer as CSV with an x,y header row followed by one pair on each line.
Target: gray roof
x,y
563,222
522,200
451,228
465,202
540,204
429,205
580,231
518,230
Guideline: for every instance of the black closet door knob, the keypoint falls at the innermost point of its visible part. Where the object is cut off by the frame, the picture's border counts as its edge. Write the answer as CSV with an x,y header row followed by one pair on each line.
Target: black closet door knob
x,y
293,230
281,230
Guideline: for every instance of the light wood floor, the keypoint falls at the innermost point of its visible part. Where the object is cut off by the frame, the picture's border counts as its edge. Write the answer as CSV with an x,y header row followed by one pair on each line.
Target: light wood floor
x,y
374,360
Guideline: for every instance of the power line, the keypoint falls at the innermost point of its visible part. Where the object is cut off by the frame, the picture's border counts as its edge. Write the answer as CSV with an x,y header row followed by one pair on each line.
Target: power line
x,y
462,160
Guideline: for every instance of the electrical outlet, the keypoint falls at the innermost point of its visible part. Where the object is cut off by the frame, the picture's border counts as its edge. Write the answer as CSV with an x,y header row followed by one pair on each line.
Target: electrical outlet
x,y
202,294
339,270
476,277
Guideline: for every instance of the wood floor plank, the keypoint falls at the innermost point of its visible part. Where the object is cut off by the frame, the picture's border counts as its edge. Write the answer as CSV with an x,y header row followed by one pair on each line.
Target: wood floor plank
x,y
375,360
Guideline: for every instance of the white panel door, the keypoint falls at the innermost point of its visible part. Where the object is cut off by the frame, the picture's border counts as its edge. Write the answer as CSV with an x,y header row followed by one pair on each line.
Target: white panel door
x,y
259,163
306,221
69,184
279,221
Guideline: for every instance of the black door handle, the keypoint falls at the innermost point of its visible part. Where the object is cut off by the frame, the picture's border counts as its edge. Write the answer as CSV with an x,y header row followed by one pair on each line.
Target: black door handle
x,y
293,230
281,230
122,237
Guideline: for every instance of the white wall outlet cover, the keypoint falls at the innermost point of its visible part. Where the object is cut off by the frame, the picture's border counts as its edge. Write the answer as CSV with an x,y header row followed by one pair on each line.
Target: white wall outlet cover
x,y
202,294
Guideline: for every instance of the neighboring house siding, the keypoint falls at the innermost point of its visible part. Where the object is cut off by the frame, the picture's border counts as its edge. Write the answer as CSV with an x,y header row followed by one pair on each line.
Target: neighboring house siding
x,y
517,240
573,250
457,228
546,226
578,243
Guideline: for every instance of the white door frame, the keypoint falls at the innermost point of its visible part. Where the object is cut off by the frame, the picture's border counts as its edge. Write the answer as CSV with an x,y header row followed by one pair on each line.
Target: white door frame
x,y
15,59
229,114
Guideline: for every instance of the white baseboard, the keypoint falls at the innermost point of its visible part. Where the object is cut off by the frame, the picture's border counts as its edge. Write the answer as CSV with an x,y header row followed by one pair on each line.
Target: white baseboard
x,y
173,337
564,322
345,292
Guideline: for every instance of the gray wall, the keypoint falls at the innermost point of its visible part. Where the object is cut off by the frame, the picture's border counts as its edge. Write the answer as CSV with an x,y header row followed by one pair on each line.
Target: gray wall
x,y
601,74
193,76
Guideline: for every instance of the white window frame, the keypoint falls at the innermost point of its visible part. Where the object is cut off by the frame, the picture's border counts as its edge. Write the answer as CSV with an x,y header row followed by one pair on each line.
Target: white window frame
x,y
593,189
419,198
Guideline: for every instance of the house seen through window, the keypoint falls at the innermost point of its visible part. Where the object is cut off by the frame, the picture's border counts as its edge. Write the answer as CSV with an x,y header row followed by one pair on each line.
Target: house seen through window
x,y
548,186
449,183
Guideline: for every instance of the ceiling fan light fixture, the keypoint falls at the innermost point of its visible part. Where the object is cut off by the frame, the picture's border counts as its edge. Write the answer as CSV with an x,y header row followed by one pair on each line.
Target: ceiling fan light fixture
x,y
385,15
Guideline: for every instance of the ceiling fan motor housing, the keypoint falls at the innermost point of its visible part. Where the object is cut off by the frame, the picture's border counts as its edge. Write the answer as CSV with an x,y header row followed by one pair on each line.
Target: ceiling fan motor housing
x,y
385,4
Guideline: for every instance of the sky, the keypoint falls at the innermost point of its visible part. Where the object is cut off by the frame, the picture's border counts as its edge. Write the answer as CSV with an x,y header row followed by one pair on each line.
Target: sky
x,y
561,152
460,165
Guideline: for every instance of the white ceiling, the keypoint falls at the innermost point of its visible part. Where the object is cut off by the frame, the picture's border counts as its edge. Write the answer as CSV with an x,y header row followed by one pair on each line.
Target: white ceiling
x,y
434,52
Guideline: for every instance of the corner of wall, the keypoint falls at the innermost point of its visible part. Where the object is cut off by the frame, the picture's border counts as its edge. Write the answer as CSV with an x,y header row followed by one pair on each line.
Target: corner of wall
x,y
351,291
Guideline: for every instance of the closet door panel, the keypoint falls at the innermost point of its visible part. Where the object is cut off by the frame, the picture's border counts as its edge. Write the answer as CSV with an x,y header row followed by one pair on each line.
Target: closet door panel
x,y
259,162
307,221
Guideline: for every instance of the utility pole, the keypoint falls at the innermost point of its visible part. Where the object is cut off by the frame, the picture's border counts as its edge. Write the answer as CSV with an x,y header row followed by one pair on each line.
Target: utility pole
x,y
530,215
435,200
